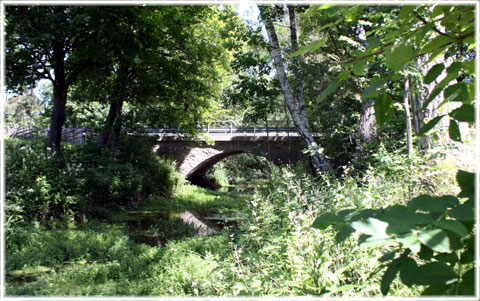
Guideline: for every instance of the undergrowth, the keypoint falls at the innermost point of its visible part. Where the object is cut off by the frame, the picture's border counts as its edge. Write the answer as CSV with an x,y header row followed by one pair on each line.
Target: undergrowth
x,y
273,252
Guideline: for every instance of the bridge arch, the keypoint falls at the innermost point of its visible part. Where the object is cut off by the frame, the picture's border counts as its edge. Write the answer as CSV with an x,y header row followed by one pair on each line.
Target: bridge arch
x,y
206,163
193,159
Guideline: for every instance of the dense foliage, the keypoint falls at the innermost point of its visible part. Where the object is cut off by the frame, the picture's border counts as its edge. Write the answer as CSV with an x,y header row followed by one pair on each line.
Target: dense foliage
x,y
41,188
387,209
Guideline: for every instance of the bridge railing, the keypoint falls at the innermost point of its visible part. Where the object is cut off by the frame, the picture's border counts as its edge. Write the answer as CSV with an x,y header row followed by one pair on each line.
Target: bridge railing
x,y
70,135
224,127
232,127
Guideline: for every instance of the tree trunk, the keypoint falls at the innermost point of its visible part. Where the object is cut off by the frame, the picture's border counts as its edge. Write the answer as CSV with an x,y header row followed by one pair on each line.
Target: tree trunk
x,y
113,121
408,121
107,129
367,121
117,126
296,64
418,101
300,119
60,90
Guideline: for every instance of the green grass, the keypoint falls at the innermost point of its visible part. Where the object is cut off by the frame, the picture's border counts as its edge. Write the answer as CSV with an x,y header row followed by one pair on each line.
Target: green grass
x,y
100,259
198,200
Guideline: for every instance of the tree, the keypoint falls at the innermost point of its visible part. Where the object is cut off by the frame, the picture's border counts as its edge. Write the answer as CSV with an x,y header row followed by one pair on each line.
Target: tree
x,y
24,110
166,67
413,33
434,241
57,43
296,106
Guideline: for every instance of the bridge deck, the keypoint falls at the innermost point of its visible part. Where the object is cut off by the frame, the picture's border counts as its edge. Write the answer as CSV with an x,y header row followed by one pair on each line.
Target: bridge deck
x,y
272,136
80,135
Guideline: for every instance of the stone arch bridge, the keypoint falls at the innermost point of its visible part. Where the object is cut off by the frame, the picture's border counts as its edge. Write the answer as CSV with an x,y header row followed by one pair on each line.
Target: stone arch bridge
x,y
195,156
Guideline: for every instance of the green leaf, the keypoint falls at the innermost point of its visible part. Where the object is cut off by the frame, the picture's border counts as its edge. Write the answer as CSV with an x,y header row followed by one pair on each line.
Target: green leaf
x,y
329,25
452,225
447,257
401,219
470,67
437,11
428,203
359,67
471,93
388,256
454,68
436,91
312,47
383,108
371,90
444,290
410,241
405,11
436,54
434,274
435,239
467,286
454,131
465,179
452,74
325,220
399,54
466,113
388,277
449,200
467,256
347,213
433,73
371,226
457,92
343,233
425,253
427,127
334,85
462,213
344,75
325,6
330,89
436,43
375,241
373,42
408,269
355,215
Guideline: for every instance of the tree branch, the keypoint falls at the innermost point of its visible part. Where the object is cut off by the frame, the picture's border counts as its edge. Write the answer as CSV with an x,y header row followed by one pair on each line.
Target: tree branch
x,y
382,50
433,25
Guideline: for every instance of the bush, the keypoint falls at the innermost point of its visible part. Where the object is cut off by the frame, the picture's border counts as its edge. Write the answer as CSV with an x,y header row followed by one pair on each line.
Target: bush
x,y
43,187
38,185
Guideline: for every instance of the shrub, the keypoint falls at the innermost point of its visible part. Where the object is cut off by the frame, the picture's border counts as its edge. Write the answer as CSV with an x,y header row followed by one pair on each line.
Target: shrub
x,y
43,187
38,185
